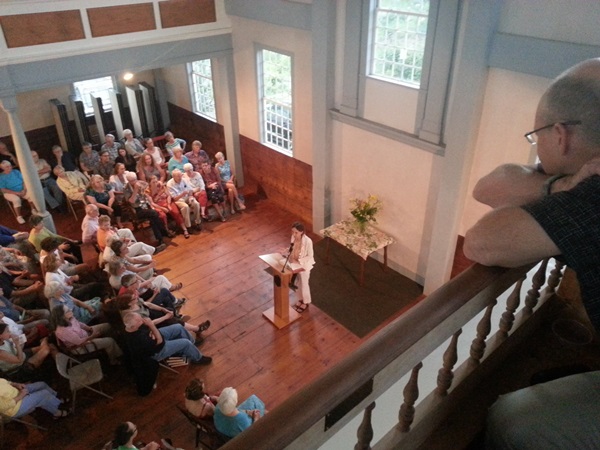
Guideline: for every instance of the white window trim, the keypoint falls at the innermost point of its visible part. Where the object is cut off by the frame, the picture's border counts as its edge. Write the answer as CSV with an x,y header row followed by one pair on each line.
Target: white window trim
x,y
108,105
193,94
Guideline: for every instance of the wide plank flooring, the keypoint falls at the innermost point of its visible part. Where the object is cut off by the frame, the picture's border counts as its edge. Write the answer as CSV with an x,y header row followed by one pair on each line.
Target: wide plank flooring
x,y
224,281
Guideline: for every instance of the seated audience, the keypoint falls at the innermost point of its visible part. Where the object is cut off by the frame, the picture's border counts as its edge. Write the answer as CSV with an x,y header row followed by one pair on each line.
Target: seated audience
x,y
31,334
13,189
195,180
73,184
6,155
148,168
52,193
172,143
79,338
102,195
89,159
163,204
84,311
231,419
91,225
214,188
197,156
144,289
141,203
9,236
111,147
145,340
228,181
106,166
155,152
62,158
198,402
69,263
39,232
142,264
132,144
177,161
18,400
27,318
107,234
126,432
127,160
22,289
182,194
85,291
18,364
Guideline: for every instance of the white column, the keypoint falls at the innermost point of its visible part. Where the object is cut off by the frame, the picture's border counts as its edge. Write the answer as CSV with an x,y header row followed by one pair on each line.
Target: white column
x,y
26,165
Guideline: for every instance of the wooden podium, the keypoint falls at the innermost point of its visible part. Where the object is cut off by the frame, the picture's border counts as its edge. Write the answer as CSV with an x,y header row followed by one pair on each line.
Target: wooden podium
x,y
282,314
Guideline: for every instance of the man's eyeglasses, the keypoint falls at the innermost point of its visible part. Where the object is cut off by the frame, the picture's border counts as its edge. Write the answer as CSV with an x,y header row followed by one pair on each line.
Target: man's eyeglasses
x,y
532,139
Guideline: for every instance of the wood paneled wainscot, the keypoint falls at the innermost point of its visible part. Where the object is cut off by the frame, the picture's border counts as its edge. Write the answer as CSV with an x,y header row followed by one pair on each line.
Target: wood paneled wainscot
x,y
284,180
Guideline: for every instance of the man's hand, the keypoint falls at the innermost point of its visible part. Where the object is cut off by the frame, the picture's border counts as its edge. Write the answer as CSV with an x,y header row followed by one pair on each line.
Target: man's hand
x,y
510,185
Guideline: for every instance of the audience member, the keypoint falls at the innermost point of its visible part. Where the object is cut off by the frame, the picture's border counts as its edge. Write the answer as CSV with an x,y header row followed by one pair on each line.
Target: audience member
x,y
89,159
155,152
18,364
52,193
214,188
172,143
126,432
129,161
148,168
79,338
106,166
102,195
177,161
73,184
13,188
132,144
182,195
27,318
9,236
87,291
69,262
39,232
63,158
231,419
197,401
164,205
227,175
111,147
58,295
144,289
197,156
18,400
107,234
195,180
540,212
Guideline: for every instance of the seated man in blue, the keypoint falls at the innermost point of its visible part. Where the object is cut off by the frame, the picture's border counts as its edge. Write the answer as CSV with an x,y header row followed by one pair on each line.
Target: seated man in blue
x,y
540,212
231,419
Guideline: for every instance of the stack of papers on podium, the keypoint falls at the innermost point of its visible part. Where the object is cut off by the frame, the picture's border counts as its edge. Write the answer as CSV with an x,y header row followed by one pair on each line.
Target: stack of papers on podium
x,y
290,265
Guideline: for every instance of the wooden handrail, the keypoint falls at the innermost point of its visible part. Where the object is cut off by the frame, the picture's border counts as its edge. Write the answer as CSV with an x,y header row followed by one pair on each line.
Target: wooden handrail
x,y
304,409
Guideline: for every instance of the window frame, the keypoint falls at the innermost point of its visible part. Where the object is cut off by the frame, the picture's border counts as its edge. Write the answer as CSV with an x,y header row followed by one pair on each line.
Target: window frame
x,y
262,124
191,75
87,104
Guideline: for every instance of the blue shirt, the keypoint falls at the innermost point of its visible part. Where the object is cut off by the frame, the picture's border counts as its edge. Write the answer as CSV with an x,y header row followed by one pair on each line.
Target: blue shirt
x,y
12,181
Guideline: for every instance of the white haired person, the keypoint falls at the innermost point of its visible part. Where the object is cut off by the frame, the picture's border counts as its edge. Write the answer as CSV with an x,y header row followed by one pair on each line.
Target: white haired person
x,y
111,146
132,144
195,180
172,142
231,419
228,182
13,188
73,184
182,194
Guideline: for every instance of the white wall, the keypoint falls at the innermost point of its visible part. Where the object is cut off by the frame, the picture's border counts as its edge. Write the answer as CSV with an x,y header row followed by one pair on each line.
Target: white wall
x,y
247,36
175,79
391,104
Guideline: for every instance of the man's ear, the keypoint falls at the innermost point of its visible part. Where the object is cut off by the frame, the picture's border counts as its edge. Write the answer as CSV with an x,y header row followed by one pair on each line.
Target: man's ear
x,y
564,138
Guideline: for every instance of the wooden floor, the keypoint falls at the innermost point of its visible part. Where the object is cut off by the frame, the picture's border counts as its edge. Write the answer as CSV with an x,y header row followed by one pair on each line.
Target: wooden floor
x,y
224,282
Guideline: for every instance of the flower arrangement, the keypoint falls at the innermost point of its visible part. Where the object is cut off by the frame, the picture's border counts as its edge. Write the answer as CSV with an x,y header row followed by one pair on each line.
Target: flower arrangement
x,y
364,211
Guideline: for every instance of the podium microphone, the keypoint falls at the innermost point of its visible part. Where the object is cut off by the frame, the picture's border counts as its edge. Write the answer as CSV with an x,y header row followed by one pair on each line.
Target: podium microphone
x,y
288,257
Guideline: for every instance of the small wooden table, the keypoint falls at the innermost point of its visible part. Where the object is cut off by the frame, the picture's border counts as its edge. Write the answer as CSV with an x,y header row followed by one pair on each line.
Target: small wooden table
x,y
362,243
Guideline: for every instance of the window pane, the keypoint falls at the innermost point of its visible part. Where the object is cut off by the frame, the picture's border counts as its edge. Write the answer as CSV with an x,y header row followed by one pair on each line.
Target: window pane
x,y
202,87
398,40
276,93
99,88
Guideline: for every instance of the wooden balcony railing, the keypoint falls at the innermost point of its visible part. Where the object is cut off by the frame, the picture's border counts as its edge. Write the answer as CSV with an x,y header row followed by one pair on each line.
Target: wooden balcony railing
x,y
317,412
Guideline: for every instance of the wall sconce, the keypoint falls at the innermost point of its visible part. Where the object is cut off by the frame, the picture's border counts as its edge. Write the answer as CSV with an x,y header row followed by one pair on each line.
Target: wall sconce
x,y
127,76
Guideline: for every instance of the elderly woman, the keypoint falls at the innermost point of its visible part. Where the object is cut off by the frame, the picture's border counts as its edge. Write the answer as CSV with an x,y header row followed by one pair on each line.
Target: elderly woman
x,y
89,159
228,180
52,194
106,235
155,152
197,156
177,161
84,311
127,160
80,338
132,144
214,188
18,400
172,142
164,205
102,195
73,184
195,180
110,146
17,363
197,401
13,188
231,419
69,262
148,168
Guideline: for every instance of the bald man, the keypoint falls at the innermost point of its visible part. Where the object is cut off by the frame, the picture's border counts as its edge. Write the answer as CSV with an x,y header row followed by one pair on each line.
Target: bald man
x,y
549,210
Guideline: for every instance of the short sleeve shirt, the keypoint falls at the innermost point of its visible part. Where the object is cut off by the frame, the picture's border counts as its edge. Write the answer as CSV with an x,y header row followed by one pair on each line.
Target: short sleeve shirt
x,y
572,220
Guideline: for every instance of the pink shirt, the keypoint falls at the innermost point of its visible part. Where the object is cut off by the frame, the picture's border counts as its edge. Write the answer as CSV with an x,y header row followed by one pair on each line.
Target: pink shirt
x,y
74,335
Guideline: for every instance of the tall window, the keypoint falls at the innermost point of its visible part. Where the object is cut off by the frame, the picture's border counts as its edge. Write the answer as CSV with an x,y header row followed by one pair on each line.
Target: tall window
x,y
202,88
99,88
275,77
398,40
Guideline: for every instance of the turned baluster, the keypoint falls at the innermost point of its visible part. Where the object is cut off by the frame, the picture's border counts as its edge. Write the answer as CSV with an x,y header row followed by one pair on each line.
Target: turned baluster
x,y
411,394
555,277
512,303
533,294
365,430
483,329
445,374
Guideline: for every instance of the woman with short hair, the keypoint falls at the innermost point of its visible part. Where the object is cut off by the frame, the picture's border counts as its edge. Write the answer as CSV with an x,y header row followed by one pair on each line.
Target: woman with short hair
x,y
231,419
228,181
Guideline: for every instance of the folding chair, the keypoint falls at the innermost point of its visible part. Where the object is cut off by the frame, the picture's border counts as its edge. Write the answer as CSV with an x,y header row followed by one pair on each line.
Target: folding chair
x,y
80,374
206,433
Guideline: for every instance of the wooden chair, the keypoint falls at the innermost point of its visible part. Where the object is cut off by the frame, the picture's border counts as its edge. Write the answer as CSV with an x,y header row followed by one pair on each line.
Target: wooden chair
x,y
206,434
